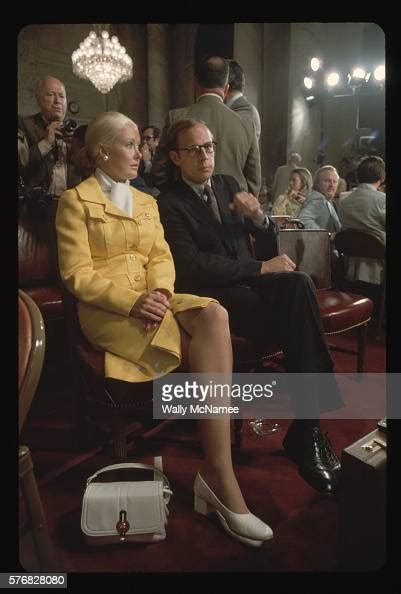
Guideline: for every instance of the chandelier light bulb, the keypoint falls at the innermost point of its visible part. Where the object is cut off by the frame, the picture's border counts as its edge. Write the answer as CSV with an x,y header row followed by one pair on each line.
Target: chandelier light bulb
x,y
102,61
315,64
380,73
308,82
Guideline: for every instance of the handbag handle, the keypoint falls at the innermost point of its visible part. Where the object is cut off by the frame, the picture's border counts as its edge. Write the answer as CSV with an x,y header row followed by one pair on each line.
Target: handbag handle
x,y
157,473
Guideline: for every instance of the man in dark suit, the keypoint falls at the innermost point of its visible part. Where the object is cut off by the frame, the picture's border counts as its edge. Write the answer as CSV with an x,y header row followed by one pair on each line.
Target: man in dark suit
x,y
207,220
236,100
238,154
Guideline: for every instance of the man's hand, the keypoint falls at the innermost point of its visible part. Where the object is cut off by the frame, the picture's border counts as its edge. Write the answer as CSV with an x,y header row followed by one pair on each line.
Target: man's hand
x,y
53,131
278,264
150,308
297,195
146,153
67,137
246,204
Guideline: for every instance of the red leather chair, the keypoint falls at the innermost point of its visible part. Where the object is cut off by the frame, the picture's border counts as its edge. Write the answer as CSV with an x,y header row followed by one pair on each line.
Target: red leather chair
x,y
114,407
359,244
37,268
31,347
341,312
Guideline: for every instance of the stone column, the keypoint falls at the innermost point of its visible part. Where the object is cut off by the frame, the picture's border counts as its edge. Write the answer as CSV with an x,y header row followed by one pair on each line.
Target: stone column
x,y
274,112
159,73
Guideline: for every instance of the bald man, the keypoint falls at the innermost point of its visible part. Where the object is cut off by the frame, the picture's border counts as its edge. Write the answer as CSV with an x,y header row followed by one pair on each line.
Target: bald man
x,y
42,147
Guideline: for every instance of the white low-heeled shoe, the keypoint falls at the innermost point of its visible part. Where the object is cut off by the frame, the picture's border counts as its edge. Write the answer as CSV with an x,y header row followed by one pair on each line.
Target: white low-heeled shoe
x,y
246,528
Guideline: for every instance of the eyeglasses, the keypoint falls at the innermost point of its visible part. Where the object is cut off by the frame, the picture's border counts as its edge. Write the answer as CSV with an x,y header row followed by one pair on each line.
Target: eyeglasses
x,y
196,149
147,137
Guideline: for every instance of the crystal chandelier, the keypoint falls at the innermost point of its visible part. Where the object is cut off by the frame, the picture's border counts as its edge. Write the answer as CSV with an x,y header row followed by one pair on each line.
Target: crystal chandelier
x,y
102,61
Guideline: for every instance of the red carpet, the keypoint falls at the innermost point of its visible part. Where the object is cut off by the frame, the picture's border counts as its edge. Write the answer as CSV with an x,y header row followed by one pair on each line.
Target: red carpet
x,y
304,522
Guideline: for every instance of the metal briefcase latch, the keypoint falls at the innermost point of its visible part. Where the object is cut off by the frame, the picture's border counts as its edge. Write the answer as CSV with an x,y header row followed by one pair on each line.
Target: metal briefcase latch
x,y
374,445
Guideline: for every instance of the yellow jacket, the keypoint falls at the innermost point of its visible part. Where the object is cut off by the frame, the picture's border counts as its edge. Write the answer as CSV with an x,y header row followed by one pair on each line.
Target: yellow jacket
x,y
107,259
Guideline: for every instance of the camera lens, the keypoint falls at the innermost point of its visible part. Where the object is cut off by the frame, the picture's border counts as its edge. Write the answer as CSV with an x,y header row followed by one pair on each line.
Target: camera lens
x,y
69,125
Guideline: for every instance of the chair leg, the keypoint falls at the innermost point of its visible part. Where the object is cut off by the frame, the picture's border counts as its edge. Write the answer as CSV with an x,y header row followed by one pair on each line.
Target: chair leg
x,y
237,432
119,436
381,313
43,546
82,428
361,348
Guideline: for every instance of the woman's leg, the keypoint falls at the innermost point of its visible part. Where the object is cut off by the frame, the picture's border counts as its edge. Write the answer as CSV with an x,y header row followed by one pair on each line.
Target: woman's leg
x,y
206,343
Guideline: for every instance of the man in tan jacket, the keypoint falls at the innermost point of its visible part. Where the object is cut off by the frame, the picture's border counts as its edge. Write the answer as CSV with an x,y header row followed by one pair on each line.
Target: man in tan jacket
x,y
237,151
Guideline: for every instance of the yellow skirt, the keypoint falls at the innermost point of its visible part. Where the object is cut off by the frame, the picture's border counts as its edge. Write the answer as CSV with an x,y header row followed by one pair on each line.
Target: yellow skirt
x,y
131,354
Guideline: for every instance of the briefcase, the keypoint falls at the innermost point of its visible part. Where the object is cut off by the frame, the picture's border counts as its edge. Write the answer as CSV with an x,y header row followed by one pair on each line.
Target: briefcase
x,y
310,250
362,514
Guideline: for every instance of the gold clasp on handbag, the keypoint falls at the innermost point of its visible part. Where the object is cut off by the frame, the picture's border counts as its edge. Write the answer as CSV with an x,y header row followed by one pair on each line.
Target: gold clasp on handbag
x,y
122,525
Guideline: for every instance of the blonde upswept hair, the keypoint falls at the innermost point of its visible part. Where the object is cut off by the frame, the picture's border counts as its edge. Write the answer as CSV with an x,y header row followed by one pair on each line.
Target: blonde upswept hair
x,y
102,132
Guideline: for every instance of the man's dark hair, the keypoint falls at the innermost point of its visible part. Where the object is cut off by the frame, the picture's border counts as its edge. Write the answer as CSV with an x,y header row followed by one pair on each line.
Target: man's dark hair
x,y
212,72
79,134
370,170
179,126
156,130
236,78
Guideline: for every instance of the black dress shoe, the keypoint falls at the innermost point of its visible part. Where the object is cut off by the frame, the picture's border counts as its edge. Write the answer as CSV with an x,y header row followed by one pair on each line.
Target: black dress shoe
x,y
317,463
330,456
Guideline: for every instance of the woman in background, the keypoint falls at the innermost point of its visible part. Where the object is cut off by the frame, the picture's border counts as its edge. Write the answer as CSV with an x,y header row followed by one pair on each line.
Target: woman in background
x,y
300,186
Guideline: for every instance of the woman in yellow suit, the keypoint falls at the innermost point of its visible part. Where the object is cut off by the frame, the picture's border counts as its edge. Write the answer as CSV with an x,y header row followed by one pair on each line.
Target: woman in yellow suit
x,y
113,257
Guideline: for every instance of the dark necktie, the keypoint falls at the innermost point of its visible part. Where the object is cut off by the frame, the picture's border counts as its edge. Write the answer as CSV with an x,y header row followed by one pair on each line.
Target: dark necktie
x,y
212,203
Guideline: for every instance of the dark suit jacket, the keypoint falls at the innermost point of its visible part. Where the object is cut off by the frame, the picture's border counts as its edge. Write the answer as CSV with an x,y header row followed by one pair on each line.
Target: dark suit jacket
x,y
237,152
205,253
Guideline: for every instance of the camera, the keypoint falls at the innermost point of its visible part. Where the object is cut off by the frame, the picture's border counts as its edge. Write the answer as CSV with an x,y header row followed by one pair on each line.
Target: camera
x,y
68,125
34,202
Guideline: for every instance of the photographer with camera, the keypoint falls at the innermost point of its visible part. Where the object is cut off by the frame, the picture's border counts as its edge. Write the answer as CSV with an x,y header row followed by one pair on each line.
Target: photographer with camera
x,y
43,144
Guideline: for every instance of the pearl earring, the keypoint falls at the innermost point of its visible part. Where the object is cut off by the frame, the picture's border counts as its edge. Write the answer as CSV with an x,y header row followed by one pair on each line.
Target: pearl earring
x,y
106,158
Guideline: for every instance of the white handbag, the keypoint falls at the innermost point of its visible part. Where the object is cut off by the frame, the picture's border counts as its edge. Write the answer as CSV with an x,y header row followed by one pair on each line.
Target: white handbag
x,y
126,511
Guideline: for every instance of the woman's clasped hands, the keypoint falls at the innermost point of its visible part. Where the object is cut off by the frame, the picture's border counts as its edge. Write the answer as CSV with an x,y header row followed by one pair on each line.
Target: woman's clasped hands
x,y
151,308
